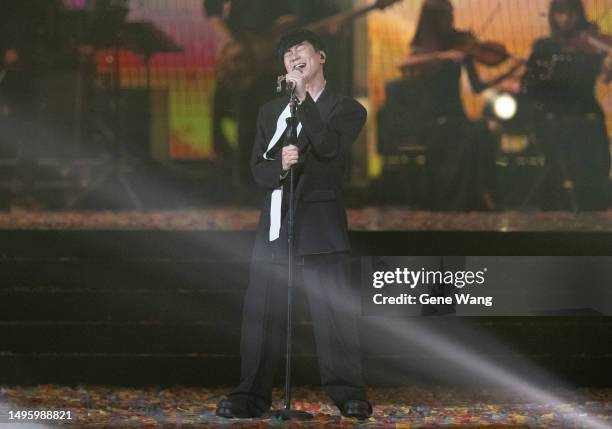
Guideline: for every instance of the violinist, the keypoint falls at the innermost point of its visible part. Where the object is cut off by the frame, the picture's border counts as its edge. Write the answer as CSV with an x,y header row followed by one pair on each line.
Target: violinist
x,y
432,78
561,76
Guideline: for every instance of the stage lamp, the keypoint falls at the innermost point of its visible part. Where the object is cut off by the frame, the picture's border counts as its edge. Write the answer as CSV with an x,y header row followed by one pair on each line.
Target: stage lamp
x,y
504,106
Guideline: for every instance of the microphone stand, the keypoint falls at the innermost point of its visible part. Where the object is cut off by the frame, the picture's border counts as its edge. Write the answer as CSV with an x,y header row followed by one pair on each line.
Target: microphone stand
x,y
290,139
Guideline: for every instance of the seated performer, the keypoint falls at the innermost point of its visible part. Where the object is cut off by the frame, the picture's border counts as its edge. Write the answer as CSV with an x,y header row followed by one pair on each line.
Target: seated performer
x,y
328,125
430,96
561,76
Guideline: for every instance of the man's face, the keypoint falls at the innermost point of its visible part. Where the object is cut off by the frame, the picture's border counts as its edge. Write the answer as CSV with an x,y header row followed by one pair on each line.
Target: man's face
x,y
305,58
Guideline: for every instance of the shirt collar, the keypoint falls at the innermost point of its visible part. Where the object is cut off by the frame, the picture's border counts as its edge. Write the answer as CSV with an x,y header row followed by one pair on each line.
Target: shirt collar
x,y
316,97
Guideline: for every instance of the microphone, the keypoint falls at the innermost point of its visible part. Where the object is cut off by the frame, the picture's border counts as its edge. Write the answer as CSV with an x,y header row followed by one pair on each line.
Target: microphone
x,y
289,85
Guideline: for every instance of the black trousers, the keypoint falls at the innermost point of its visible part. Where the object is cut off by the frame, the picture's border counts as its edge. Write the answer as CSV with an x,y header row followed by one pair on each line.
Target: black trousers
x,y
335,314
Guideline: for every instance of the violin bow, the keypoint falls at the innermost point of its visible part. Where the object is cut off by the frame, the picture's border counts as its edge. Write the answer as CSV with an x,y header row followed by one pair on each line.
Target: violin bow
x,y
492,15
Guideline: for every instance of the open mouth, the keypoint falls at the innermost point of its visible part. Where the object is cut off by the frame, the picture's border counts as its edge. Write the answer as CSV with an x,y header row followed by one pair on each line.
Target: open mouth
x,y
299,66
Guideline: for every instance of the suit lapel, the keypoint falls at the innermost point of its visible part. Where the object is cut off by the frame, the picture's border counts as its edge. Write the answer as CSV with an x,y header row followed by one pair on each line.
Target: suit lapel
x,y
277,109
325,103
270,126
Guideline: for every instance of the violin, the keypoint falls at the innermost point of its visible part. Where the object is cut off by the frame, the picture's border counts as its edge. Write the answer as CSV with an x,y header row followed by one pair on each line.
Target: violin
x,y
589,41
488,53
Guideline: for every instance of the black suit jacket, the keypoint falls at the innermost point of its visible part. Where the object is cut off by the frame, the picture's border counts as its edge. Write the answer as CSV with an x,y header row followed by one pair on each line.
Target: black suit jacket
x,y
329,127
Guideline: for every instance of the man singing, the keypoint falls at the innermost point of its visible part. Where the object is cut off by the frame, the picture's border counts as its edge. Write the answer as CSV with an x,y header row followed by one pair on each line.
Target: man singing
x,y
328,125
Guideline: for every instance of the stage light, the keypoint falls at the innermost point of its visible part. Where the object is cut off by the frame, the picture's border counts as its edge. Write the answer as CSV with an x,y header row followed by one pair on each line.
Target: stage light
x,y
466,360
473,365
504,106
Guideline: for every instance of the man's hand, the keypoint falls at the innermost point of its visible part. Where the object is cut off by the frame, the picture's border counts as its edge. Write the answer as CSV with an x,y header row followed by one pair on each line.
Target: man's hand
x,y
296,77
290,157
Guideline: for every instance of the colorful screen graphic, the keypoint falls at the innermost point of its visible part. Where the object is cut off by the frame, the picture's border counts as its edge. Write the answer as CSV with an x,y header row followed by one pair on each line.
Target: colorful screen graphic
x,y
188,77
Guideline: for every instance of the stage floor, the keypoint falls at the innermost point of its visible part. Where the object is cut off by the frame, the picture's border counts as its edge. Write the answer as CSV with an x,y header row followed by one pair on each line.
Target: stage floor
x,y
360,219
412,407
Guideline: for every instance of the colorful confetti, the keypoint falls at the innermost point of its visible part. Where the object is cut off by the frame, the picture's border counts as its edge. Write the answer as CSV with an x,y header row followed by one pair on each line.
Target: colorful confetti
x,y
400,408
360,219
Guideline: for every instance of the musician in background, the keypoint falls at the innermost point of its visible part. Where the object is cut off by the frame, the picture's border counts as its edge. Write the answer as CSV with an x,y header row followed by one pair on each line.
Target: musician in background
x,y
561,76
431,89
242,85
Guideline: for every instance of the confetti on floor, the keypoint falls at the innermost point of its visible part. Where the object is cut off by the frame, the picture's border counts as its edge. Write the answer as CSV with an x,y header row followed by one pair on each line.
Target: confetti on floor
x,y
360,219
411,407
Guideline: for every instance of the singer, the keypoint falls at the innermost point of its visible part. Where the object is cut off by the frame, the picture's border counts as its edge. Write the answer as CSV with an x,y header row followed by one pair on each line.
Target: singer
x,y
328,125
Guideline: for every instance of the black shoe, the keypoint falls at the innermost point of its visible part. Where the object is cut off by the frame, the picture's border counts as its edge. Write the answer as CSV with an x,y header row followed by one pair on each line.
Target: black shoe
x,y
239,407
357,409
